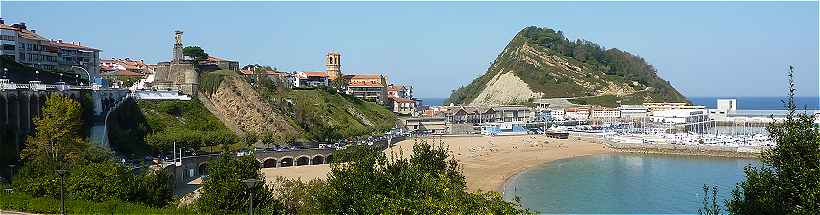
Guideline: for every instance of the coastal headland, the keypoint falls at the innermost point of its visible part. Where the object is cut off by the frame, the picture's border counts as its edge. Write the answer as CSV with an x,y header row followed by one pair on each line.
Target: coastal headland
x,y
488,162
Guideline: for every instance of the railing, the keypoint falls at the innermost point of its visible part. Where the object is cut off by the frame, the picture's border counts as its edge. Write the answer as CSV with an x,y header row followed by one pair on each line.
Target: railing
x,y
5,84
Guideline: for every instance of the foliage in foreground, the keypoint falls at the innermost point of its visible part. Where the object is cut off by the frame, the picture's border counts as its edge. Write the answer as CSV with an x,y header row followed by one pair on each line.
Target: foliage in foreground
x,y
224,192
788,181
91,176
363,180
366,181
48,205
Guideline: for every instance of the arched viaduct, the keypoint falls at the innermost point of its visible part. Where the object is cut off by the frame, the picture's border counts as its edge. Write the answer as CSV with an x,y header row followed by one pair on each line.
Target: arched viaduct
x,y
193,167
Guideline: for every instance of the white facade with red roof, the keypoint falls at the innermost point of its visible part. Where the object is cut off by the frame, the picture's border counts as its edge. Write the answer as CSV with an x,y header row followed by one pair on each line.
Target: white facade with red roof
x,y
27,47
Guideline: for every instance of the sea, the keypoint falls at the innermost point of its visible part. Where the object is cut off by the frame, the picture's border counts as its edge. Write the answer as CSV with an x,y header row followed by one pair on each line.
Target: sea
x,y
625,183
743,103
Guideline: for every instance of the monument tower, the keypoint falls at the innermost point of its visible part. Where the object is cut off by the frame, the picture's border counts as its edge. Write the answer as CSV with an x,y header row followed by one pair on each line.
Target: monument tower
x,y
178,56
333,62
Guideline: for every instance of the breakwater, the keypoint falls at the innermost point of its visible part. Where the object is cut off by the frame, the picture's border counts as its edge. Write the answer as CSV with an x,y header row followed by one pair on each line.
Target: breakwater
x,y
700,150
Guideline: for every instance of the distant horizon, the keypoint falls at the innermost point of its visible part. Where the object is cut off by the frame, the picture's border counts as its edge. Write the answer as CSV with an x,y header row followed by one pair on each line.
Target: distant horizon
x,y
732,48
744,102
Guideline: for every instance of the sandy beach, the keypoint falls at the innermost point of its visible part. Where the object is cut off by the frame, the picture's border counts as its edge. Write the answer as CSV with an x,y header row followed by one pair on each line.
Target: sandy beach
x,y
487,161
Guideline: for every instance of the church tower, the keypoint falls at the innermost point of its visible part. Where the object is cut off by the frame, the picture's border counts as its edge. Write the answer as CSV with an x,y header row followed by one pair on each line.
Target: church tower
x,y
333,64
178,57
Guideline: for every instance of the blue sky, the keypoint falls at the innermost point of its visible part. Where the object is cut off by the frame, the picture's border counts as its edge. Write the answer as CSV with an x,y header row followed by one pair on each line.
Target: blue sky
x,y
702,48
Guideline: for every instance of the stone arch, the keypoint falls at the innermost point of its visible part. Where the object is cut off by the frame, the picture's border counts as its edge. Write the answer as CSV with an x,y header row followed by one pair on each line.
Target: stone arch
x,y
317,159
203,168
286,161
269,163
302,160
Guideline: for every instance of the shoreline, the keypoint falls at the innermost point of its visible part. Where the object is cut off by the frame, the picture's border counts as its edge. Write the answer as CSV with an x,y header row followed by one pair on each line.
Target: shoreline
x,y
489,163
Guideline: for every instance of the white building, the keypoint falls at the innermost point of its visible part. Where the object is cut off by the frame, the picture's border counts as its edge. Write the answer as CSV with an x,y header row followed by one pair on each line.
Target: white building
x,y
680,116
605,114
310,79
25,46
633,111
727,104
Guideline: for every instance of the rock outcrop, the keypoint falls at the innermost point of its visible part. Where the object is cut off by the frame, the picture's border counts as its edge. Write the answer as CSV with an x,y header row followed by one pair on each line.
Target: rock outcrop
x,y
239,106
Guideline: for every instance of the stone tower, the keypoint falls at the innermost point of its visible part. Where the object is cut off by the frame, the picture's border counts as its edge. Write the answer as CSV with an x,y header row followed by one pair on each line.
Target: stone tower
x,y
333,62
178,56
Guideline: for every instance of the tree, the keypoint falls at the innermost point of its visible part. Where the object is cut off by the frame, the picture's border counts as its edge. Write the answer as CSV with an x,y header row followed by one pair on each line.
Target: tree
x,y
195,52
57,132
788,179
363,180
224,192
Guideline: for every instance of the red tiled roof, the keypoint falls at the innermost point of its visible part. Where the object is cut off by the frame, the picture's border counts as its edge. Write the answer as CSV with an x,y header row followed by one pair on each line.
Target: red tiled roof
x,y
364,84
364,76
72,46
402,100
316,74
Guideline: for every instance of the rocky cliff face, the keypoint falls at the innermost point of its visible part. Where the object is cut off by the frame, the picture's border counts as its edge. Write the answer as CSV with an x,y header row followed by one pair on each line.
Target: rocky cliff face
x,y
541,63
240,107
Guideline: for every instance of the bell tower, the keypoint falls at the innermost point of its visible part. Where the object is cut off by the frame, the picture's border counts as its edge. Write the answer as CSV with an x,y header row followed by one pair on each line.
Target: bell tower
x,y
333,64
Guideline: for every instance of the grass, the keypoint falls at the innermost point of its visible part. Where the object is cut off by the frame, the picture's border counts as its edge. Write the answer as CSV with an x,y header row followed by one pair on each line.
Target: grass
x,y
26,203
332,111
144,127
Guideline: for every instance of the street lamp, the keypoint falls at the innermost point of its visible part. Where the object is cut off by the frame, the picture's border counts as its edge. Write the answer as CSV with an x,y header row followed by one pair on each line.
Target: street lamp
x,y
250,183
86,72
61,172
5,72
11,170
36,75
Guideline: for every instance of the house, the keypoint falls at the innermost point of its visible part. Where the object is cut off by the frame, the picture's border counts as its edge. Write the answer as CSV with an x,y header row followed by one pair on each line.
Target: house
x,y
25,46
470,114
433,125
310,79
220,63
368,87
512,113
401,105
605,114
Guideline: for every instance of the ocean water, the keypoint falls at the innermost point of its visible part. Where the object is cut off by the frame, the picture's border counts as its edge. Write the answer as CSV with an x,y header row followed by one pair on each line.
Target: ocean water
x,y
759,103
433,101
744,103
625,183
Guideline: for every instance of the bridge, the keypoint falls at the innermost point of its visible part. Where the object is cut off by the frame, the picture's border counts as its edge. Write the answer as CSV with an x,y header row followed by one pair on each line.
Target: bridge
x,y
20,104
191,168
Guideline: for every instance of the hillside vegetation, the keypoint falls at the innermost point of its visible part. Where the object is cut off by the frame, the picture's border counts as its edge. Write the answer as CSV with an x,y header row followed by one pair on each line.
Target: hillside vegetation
x,y
276,111
549,65
148,127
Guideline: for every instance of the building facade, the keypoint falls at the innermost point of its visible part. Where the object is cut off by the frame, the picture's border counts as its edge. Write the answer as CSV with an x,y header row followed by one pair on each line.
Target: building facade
x,y
27,47
368,87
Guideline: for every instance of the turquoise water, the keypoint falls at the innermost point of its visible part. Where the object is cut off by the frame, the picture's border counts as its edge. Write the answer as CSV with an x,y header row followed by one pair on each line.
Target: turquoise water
x,y
625,183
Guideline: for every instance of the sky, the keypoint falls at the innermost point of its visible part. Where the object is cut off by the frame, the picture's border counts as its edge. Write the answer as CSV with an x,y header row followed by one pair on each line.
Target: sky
x,y
703,48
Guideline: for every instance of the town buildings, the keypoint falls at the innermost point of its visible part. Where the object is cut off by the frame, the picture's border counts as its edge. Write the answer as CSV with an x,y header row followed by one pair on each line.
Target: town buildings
x,y
25,46
400,100
218,63
177,74
310,79
116,68
368,87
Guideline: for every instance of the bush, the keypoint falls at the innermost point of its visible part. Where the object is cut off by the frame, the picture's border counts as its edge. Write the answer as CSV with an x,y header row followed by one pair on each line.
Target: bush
x,y
21,202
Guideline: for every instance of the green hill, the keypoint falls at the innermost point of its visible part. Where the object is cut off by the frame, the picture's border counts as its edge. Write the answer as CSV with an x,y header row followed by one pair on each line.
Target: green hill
x,y
542,63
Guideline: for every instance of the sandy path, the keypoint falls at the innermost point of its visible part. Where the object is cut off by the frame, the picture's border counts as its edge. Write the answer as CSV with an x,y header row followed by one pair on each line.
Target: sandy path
x,y
487,161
